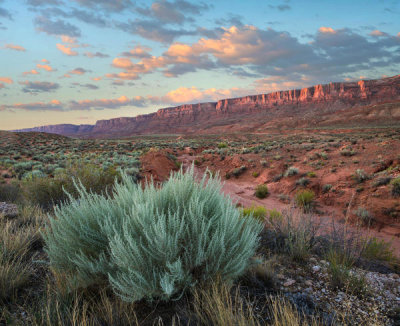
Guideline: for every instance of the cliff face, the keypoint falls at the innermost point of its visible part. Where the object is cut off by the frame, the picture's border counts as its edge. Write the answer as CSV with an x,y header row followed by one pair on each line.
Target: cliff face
x,y
319,99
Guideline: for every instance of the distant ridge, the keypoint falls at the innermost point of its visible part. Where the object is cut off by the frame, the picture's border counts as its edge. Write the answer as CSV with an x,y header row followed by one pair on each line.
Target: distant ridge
x,y
364,102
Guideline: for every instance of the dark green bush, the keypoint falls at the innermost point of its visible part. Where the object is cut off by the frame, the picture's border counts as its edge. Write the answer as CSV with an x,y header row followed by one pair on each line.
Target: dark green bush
x,y
261,191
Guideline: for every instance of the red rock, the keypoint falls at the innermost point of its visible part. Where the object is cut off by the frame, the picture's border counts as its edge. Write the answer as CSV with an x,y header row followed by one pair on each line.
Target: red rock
x,y
314,106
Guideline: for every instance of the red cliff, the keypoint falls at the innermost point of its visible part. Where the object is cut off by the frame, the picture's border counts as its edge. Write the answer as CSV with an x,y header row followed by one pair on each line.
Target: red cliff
x,y
312,103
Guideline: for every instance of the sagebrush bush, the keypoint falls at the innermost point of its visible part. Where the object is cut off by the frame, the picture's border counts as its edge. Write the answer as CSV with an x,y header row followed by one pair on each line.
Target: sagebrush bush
x,y
151,243
291,171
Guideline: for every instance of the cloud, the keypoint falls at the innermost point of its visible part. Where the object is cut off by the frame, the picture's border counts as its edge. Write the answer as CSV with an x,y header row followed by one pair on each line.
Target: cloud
x,y
15,47
32,72
40,3
377,33
58,27
45,67
280,7
153,30
6,80
326,30
122,101
5,13
106,5
88,17
96,104
54,105
173,12
138,52
96,55
2,86
248,51
78,71
187,95
88,86
125,75
66,50
35,87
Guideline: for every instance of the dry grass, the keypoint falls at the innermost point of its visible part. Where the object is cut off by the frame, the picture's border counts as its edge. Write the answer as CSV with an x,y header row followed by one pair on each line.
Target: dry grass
x,y
216,306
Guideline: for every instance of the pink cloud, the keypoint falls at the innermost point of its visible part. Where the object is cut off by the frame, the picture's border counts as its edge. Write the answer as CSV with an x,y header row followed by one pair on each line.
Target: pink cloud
x,y
45,67
15,47
66,50
326,30
6,80
377,33
32,72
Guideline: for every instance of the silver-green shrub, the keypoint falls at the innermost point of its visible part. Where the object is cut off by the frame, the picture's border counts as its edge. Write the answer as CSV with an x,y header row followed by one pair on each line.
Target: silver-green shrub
x,y
152,242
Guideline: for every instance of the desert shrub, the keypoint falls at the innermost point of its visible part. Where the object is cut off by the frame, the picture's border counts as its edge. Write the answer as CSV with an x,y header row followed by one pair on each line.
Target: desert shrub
x,y
274,215
222,145
341,275
10,192
151,243
15,268
293,234
305,199
376,249
364,216
311,174
261,191
238,171
326,188
47,192
291,171
382,181
33,175
257,212
302,182
396,187
360,176
347,152
255,174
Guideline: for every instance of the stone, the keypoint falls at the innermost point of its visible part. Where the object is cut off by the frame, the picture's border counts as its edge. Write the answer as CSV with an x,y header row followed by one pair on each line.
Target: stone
x,y
308,283
8,210
316,268
289,282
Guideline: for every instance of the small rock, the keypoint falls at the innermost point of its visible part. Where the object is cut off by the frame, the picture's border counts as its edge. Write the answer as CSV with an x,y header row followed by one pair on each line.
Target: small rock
x,y
8,210
316,268
289,282
308,283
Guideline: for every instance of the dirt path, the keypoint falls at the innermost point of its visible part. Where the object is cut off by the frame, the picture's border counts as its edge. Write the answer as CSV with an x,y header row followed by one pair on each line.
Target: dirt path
x,y
243,194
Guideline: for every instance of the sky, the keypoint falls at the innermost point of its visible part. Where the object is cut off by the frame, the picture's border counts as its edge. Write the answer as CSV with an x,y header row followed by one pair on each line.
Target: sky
x,y
79,61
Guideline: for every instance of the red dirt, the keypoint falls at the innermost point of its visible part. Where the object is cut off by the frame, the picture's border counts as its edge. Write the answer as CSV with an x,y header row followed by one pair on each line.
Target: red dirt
x,y
157,165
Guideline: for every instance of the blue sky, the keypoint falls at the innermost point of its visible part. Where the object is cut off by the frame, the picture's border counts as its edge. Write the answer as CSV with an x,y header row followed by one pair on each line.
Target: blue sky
x,y
79,61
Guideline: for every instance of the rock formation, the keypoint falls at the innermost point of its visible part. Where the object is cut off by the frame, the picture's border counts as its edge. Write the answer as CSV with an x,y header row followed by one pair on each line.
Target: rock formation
x,y
249,112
